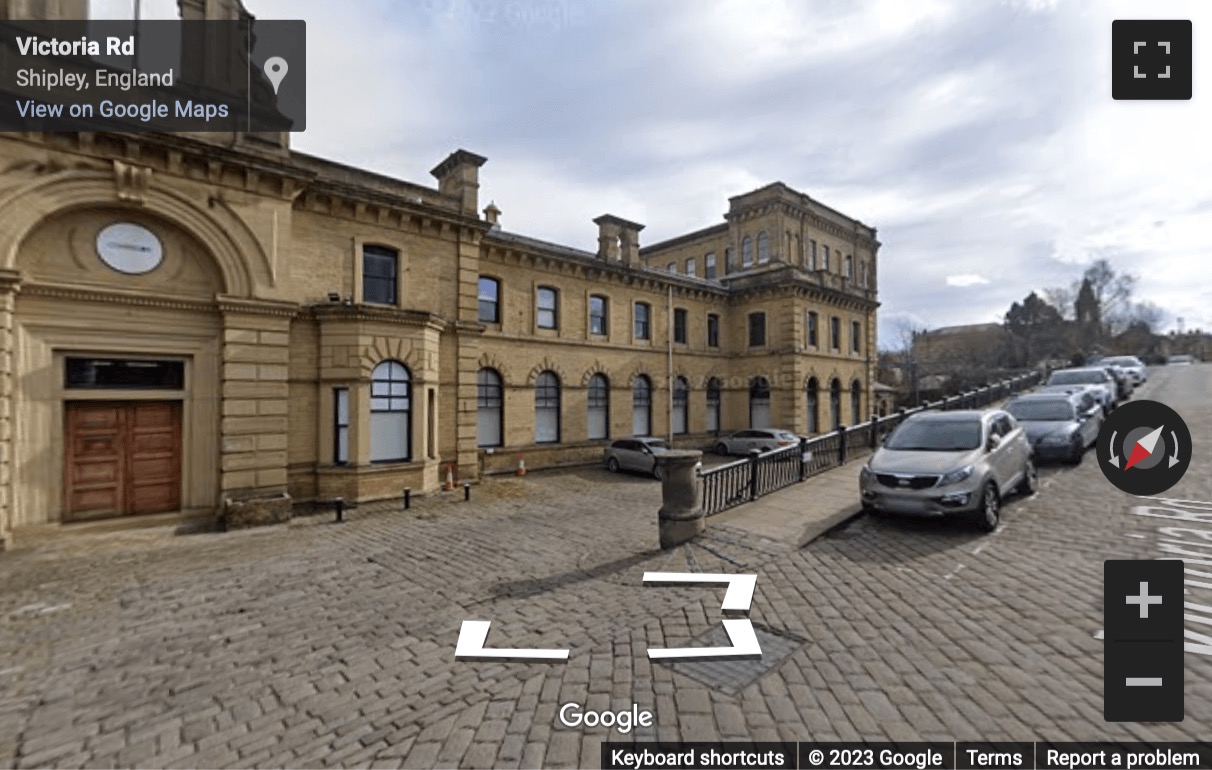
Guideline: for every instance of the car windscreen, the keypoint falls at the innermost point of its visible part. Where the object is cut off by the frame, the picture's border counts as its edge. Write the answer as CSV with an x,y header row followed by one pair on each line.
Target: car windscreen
x,y
1123,362
1077,378
1041,410
936,436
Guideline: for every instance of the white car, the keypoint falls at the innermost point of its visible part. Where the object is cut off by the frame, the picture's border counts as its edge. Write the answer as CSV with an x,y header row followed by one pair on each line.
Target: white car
x,y
1130,364
1069,379
762,439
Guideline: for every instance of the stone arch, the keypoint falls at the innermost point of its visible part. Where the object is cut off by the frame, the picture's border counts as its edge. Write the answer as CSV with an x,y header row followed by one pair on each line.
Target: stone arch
x,y
395,349
546,365
239,256
596,368
490,361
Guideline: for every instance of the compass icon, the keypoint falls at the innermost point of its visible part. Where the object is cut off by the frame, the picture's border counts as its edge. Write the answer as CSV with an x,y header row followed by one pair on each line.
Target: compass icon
x,y
1144,447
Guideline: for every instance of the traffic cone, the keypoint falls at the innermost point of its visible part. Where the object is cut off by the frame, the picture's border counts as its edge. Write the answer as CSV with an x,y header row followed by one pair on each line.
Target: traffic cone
x,y
449,485
521,465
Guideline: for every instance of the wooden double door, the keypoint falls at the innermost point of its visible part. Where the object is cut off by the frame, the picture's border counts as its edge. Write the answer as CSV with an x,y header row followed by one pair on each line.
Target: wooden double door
x,y
123,458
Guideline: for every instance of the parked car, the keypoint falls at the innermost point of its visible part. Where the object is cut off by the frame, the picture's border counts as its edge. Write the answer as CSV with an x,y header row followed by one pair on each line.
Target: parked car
x,y
1058,425
1123,381
1180,359
1132,365
635,454
761,439
1066,379
939,463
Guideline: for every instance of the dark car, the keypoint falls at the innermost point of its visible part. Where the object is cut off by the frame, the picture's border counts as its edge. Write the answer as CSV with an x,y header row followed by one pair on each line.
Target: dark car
x,y
1060,426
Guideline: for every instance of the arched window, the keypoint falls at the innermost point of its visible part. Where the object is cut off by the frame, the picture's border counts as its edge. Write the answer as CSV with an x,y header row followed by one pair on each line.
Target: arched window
x,y
746,251
759,403
547,408
763,248
641,406
599,406
835,404
814,417
856,402
713,405
681,395
490,412
390,413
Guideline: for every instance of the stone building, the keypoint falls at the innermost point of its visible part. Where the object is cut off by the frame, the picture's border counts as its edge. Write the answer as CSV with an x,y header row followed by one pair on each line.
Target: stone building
x,y
191,325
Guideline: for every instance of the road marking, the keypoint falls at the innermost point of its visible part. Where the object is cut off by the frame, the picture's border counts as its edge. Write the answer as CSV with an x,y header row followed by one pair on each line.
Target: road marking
x,y
949,575
1135,535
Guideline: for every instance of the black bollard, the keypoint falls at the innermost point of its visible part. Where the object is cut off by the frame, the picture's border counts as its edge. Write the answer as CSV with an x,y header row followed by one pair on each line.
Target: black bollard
x,y
466,490
339,505
407,498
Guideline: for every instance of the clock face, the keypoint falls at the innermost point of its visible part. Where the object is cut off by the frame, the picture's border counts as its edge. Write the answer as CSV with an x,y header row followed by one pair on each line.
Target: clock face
x,y
129,248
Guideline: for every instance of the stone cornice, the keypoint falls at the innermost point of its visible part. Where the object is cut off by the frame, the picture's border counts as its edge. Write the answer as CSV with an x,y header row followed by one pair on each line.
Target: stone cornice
x,y
118,297
511,254
340,312
183,157
228,304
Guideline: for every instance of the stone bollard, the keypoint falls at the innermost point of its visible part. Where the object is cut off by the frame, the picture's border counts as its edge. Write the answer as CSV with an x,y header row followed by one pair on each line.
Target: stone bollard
x,y
681,516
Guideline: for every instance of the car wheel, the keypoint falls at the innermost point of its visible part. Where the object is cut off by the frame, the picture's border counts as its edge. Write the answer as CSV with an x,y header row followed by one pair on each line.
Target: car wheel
x,y
657,473
1030,481
612,465
721,448
990,513
1078,452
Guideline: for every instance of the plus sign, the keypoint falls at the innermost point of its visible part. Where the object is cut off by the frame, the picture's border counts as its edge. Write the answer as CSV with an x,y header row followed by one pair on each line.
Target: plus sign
x,y
1144,600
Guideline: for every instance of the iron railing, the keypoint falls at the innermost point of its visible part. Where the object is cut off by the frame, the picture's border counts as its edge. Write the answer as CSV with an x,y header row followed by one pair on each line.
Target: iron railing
x,y
727,486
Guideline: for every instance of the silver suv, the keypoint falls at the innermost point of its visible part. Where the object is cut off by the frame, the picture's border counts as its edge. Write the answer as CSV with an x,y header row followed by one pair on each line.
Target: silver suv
x,y
939,463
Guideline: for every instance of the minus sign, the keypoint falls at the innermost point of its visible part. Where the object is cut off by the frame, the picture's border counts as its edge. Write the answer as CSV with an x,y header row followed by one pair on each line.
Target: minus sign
x,y
1143,681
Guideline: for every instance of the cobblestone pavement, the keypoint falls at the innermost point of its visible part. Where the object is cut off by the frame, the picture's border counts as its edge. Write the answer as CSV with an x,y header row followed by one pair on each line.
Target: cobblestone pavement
x,y
322,644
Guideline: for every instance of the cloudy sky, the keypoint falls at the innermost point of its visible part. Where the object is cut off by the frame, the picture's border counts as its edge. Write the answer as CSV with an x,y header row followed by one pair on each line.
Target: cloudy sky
x,y
979,137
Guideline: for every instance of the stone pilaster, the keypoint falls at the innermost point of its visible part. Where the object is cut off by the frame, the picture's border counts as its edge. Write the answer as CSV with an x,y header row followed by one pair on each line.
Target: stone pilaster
x,y
10,284
254,428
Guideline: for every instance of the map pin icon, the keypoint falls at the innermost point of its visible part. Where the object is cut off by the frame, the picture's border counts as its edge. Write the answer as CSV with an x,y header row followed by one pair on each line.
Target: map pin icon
x,y
275,70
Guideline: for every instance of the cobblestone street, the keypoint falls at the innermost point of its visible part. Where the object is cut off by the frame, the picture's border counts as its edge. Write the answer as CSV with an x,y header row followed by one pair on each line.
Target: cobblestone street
x,y
325,644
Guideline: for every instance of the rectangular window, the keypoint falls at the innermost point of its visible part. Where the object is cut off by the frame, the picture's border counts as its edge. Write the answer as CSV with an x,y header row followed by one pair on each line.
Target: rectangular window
x,y
643,321
489,296
824,257
811,254
672,267
713,330
101,373
597,315
728,259
813,331
546,316
679,325
340,433
856,337
380,268
849,267
757,330
709,267
691,267
835,333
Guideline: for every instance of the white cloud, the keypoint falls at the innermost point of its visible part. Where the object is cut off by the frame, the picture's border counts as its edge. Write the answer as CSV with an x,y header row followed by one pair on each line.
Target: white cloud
x,y
966,279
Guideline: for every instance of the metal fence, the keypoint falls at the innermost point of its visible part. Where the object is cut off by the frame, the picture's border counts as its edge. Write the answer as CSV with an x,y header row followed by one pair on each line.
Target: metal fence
x,y
730,485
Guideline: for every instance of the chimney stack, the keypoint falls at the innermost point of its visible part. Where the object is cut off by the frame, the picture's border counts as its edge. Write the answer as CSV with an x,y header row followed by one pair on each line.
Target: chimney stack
x,y
459,177
618,239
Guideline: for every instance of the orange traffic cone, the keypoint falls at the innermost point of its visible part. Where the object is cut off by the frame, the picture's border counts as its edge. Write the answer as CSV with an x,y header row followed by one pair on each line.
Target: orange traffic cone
x,y
521,465
449,485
